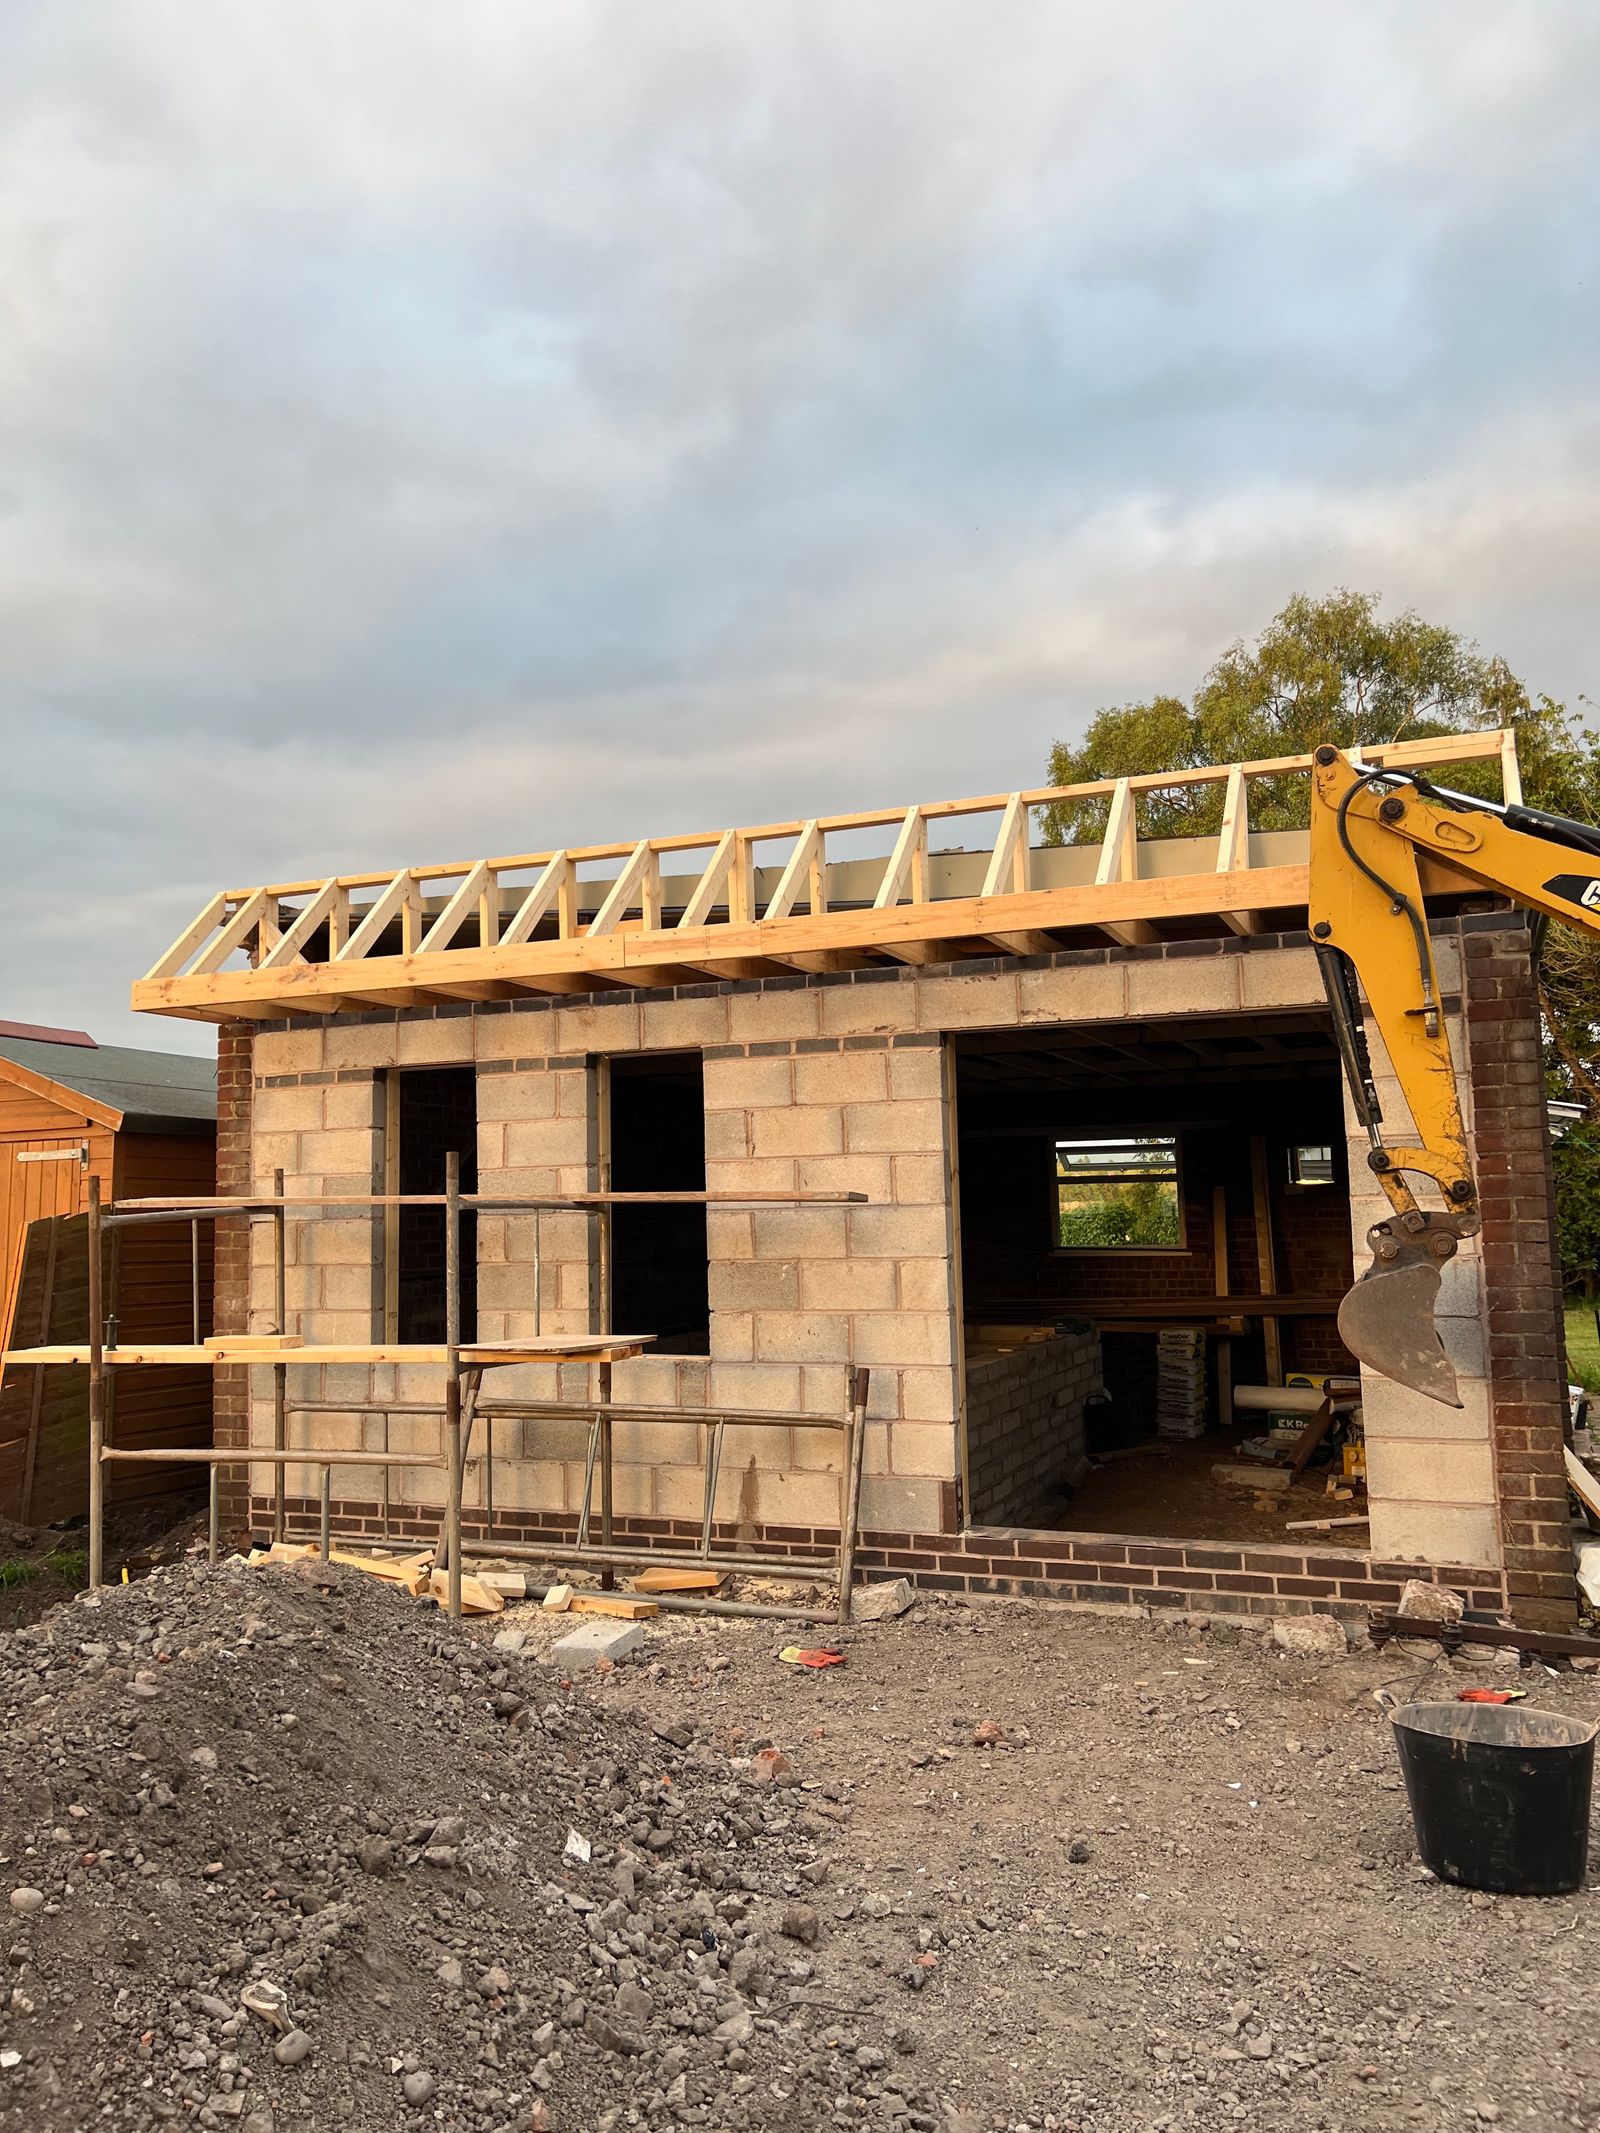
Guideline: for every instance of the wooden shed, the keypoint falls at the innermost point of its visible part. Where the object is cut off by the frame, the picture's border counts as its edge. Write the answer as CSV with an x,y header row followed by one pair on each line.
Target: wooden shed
x,y
143,1123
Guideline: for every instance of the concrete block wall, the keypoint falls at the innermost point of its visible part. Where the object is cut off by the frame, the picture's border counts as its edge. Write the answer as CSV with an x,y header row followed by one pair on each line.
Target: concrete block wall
x,y
1025,1429
318,1117
836,1082
1430,1473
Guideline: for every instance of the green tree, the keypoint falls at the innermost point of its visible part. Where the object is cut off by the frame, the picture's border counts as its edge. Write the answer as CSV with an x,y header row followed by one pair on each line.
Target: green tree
x,y
1336,670
1322,670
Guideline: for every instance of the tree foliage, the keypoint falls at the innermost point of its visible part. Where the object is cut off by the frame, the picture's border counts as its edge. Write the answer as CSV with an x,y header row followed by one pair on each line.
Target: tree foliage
x,y
1137,1212
1322,670
1335,669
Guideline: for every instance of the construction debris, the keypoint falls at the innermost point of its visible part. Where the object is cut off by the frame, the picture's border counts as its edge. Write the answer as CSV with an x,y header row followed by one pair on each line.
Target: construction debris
x,y
408,1571
667,1580
618,1605
1421,1601
1263,1479
1311,1636
325,1877
881,1603
477,1598
592,1642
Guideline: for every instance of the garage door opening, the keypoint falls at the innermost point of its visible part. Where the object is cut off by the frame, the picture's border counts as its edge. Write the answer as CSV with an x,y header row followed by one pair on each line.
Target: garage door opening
x,y
1155,1235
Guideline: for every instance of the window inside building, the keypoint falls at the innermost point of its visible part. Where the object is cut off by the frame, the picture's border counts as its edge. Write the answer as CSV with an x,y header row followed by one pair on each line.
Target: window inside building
x,y
660,1279
1118,1195
1311,1163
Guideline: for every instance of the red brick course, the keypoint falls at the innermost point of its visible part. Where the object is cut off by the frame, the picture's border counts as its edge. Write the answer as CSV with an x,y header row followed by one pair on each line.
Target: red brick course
x,y
1522,1289
1107,1571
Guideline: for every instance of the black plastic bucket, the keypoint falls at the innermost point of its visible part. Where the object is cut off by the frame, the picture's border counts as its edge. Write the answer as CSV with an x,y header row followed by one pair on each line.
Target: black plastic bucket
x,y
1499,1793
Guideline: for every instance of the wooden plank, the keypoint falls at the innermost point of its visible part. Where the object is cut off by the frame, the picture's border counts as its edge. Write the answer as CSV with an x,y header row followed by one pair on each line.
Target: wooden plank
x,y
477,1597
1008,865
233,934
1119,862
577,1348
1510,770
330,902
1439,752
399,896
1233,846
638,883
1266,1257
649,1581
472,898
620,955
168,965
697,911
410,1571
804,870
556,886
615,1604
906,870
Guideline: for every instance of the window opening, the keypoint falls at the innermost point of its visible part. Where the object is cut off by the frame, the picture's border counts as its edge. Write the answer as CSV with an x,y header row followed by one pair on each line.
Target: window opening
x,y
1118,1195
660,1278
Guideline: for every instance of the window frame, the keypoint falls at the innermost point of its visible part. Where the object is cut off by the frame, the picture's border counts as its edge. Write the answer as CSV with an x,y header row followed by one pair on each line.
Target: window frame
x,y
1058,1250
1292,1183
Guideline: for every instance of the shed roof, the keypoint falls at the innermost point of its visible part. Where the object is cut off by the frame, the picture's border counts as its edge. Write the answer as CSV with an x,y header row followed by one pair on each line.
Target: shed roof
x,y
150,1089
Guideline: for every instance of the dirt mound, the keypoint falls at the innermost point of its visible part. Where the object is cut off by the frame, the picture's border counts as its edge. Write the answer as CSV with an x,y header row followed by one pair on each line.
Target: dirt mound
x,y
289,1791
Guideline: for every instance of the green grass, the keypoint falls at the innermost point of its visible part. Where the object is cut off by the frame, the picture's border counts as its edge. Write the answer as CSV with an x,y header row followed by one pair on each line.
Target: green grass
x,y
1583,1348
70,1564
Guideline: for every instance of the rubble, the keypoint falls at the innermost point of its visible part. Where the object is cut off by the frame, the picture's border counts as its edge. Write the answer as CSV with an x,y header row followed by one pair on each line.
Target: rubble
x,y
1422,1601
1311,1636
323,1879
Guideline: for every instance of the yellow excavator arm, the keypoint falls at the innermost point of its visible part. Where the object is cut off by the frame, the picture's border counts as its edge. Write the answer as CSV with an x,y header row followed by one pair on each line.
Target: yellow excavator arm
x,y
1367,922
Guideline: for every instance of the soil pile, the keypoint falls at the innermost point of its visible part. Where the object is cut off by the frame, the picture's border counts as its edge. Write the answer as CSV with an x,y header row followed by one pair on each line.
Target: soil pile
x,y
284,1851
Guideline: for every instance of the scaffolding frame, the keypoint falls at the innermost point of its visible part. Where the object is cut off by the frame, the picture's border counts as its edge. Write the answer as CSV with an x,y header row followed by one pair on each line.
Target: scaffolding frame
x,y
464,1364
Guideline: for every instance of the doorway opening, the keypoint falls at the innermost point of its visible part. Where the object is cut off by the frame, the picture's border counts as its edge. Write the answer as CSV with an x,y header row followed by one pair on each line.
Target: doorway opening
x,y
1155,1236
432,1111
660,1272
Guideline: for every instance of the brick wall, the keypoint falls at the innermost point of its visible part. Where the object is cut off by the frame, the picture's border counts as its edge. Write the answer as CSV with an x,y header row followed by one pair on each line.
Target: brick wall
x,y
1085,1569
1521,1264
1025,1423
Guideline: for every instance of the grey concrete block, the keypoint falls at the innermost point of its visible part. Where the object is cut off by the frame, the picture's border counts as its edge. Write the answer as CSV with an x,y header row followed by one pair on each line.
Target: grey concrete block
x,y
597,1640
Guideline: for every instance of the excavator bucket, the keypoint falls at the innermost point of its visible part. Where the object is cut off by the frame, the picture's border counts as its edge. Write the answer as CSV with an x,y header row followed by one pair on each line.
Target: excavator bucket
x,y
1387,1318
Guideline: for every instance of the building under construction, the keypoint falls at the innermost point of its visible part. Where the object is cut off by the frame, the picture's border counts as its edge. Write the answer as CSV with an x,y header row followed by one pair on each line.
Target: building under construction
x,y
1088,1099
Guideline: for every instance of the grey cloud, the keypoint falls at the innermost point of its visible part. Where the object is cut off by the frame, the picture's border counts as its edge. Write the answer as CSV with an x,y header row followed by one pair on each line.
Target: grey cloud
x,y
429,433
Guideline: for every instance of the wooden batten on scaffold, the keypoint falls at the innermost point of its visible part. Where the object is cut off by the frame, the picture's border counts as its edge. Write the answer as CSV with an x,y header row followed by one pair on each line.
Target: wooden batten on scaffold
x,y
751,902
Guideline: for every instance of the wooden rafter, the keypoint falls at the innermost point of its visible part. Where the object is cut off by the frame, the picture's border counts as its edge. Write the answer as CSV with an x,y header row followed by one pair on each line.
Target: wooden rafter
x,y
466,932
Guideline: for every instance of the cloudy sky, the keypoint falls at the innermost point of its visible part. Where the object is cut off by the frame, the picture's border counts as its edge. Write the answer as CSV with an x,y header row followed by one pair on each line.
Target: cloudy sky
x,y
435,430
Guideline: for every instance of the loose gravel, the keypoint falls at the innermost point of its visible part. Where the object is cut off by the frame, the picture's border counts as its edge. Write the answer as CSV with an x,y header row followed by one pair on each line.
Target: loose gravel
x,y
286,1850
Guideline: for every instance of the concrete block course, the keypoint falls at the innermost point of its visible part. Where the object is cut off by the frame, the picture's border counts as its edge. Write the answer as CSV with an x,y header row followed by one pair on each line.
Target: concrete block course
x,y
1094,992
840,1086
1197,985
